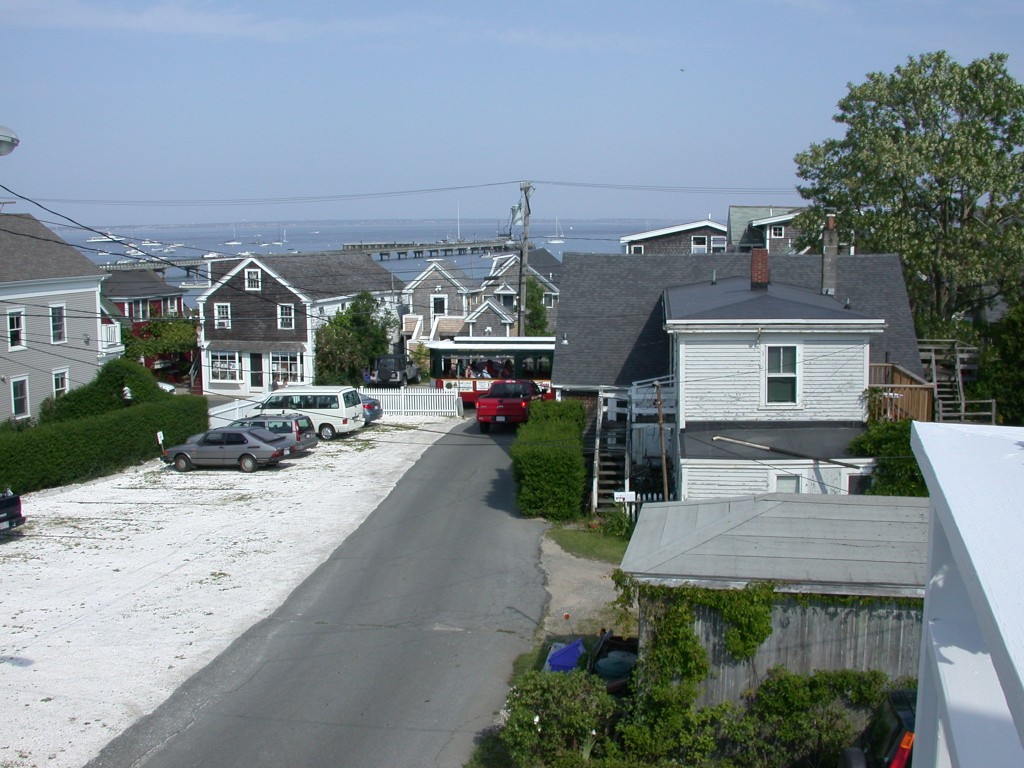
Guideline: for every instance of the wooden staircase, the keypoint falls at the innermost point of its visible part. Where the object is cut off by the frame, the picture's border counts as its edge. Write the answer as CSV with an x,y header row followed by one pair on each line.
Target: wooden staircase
x,y
948,365
611,456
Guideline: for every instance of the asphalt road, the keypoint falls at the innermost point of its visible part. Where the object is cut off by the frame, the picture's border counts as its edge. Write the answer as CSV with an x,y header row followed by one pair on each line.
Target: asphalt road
x,y
396,652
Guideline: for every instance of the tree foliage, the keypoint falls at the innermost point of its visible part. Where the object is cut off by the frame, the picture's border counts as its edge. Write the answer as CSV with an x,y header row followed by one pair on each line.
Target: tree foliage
x,y
160,337
1002,366
536,321
896,471
350,340
930,167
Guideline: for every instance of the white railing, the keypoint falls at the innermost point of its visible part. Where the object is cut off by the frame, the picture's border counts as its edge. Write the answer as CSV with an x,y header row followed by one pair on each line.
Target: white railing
x,y
644,396
110,335
416,401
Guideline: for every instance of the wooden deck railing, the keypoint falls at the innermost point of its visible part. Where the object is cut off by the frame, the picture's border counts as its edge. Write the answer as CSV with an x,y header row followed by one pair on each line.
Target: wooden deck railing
x,y
895,393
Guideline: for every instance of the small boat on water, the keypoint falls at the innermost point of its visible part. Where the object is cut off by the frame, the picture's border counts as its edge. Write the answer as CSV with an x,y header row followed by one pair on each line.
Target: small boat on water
x,y
106,237
559,236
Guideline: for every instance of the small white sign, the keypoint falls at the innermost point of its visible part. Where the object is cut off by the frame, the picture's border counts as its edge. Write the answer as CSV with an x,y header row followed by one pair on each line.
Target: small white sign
x,y
160,437
625,497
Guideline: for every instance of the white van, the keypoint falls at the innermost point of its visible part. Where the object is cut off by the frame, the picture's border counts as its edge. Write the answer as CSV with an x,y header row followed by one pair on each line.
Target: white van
x,y
334,410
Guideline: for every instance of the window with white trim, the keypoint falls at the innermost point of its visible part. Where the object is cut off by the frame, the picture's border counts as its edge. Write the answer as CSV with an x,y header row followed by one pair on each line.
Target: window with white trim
x,y
286,317
19,398
776,231
718,243
224,366
138,309
60,383
16,329
169,307
787,483
699,244
781,374
636,249
285,367
438,305
549,300
253,279
58,324
221,315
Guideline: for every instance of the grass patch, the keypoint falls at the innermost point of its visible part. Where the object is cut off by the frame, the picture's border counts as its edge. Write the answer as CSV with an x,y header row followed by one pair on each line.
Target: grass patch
x,y
593,544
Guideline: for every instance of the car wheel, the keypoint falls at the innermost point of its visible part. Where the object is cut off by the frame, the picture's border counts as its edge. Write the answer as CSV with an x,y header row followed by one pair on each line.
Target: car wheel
x,y
247,463
326,432
485,426
182,463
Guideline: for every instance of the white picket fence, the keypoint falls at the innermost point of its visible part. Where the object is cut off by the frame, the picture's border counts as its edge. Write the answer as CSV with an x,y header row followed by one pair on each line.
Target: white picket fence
x,y
404,401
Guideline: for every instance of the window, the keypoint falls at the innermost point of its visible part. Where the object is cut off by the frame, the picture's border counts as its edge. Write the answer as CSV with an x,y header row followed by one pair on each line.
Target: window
x,y
439,305
19,398
636,249
285,368
549,300
858,485
169,307
60,384
718,244
286,317
699,244
253,279
508,301
16,329
224,366
138,309
781,384
776,231
221,315
787,483
58,326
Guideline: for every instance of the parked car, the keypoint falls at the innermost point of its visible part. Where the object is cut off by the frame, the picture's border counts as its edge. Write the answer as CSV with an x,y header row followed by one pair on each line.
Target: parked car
x,y
372,409
10,510
334,410
297,426
247,448
395,370
507,402
888,741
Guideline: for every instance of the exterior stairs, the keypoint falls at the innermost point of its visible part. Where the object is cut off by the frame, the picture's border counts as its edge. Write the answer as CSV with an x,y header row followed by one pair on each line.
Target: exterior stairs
x,y
948,365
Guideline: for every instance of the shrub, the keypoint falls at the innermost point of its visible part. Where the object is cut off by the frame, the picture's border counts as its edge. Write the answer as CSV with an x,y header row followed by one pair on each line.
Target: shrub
x,y
547,463
557,718
572,411
105,393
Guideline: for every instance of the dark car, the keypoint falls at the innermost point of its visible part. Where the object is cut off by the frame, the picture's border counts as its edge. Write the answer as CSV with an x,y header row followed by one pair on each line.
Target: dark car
x,y
247,448
888,741
300,428
10,510
372,409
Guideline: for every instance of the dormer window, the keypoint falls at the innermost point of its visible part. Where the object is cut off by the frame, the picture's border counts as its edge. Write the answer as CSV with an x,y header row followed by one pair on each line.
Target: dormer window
x,y
777,231
699,244
253,279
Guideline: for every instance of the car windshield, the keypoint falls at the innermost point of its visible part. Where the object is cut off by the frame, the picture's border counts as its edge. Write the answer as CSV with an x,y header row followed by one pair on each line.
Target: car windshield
x,y
509,390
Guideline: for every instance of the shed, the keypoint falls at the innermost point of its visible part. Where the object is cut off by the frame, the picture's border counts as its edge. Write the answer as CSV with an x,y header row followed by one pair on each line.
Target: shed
x,y
847,570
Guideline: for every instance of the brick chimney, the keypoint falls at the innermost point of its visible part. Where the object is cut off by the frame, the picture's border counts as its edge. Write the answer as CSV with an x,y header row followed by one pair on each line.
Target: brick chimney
x,y
759,269
829,256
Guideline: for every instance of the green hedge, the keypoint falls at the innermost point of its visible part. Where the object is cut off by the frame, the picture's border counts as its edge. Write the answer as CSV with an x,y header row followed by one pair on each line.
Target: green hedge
x,y
55,454
547,463
560,410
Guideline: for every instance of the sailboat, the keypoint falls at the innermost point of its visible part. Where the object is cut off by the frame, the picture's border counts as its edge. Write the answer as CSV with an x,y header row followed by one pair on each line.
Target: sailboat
x,y
234,237
559,236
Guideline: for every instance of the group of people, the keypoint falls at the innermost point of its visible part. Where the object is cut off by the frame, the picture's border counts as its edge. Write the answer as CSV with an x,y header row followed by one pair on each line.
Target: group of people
x,y
481,369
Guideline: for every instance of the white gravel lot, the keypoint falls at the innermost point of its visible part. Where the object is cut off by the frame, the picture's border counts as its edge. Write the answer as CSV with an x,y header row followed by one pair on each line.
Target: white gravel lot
x,y
118,590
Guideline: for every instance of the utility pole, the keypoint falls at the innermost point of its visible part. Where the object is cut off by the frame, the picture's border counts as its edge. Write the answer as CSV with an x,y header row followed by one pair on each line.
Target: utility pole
x,y
526,188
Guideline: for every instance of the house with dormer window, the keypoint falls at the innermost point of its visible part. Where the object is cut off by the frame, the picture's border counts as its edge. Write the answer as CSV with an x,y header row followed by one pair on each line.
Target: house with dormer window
x,y
696,238
258,318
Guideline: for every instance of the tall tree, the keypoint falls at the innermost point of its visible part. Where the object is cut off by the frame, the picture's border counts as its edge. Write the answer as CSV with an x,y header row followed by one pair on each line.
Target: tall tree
x,y
536,321
931,167
350,341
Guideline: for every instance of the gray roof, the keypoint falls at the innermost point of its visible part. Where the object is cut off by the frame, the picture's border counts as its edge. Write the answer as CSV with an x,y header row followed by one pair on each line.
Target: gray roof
x,y
138,284
740,217
30,251
323,275
789,439
611,309
858,545
733,299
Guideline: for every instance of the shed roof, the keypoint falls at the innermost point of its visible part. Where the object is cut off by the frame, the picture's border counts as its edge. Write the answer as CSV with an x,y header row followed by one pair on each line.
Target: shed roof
x,y
850,545
30,251
138,284
611,310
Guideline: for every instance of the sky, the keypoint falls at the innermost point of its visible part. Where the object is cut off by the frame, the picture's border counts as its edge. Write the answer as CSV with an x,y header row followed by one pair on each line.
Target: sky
x,y
201,111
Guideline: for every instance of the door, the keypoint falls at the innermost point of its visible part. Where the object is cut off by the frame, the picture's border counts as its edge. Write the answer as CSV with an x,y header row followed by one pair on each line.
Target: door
x,y
255,371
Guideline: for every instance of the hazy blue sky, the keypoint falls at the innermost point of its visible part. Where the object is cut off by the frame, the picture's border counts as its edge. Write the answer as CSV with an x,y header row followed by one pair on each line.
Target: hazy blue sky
x,y
308,109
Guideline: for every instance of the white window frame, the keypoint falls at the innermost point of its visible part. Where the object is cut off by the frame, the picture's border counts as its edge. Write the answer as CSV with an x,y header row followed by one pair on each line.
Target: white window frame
x,y
786,478
769,375
27,412
17,315
777,231
637,249
224,366
58,324
433,299
60,383
698,244
286,317
254,279
169,307
222,316
138,309
549,300
718,243
285,367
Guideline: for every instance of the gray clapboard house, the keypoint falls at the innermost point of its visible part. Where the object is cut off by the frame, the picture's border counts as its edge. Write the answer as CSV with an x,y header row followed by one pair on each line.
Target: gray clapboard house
x,y
819,551
58,331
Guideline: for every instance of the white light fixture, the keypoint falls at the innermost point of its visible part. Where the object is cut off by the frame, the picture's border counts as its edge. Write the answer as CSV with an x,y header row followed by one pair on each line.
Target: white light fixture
x,y
8,140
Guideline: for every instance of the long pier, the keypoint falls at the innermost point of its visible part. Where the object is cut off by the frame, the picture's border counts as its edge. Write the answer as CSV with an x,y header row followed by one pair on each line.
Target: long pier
x,y
380,251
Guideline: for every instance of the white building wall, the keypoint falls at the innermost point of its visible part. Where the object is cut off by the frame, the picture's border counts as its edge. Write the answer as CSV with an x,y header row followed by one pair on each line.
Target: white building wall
x,y
723,378
708,479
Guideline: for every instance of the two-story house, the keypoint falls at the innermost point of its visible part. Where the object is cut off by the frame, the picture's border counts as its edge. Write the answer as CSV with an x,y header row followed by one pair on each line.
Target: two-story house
x,y
258,318
785,366
762,226
57,333
478,296
696,237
